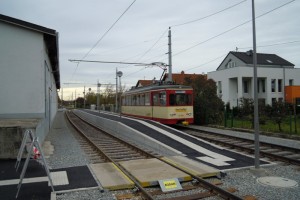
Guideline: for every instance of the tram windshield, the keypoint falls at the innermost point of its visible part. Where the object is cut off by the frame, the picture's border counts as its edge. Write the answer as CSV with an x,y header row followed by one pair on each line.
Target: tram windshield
x,y
180,99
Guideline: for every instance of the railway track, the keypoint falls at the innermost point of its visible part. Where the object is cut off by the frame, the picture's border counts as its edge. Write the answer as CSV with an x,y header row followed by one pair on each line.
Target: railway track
x,y
271,151
107,148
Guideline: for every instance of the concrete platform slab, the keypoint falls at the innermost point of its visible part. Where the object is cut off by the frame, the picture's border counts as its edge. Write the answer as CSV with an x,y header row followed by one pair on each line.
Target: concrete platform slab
x,y
111,177
149,171
194,167
59,178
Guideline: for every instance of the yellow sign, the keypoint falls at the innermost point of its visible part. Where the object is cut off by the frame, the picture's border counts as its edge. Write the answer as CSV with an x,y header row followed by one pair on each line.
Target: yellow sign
x,y
167,185
170,184
180,109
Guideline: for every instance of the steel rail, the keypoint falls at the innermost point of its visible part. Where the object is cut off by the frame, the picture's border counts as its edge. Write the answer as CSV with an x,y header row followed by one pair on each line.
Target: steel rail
x,y
248,149
108,158
205,184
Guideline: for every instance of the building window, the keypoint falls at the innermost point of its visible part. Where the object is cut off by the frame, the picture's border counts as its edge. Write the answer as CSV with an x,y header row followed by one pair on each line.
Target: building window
x,y
263,86
273,85
245,86
273,101
279,85
220,87
291,82
280,100
258,86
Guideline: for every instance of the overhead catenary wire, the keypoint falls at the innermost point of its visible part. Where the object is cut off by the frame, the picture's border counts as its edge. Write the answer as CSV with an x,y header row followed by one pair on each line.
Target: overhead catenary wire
x,y
210,15
270,45
101,38
217,58
231,29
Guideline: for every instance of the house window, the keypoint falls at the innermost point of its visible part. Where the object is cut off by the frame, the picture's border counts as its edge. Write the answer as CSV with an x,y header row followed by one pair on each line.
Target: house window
x,y
279,85
220,87
273,85
291,82
263,86
273,101
245,86
258,86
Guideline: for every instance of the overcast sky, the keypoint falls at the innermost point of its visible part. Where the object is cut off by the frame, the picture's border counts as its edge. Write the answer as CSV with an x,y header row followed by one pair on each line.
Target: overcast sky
x,y
141,34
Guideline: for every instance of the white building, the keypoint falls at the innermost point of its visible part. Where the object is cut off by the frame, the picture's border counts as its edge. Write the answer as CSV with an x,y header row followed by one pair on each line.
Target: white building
x,y
234,77
29,72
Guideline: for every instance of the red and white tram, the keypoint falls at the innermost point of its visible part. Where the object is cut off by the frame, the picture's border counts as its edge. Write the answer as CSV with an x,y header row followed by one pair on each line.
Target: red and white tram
x,y
167,104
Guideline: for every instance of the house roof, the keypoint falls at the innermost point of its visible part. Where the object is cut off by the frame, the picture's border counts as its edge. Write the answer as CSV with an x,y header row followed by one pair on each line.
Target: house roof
x,y
262,59
180,78
143,83
51,40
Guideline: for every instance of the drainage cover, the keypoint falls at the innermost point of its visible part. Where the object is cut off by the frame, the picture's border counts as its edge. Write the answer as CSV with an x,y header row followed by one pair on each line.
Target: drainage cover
x,y
277,182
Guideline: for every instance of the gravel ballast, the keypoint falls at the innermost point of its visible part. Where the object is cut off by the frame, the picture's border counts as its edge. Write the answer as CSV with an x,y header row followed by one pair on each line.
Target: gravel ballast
x,y
67,153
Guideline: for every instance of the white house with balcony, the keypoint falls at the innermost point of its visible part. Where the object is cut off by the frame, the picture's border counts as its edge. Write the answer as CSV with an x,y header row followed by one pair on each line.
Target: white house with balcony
x,y
234,77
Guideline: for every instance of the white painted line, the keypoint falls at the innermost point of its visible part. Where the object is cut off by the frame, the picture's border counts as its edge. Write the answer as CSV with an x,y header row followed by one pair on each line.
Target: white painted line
x,y
25,180
58,178
192,145
213,161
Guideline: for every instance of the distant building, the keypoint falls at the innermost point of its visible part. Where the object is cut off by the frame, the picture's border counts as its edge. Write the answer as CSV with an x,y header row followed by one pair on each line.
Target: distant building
x,y
29,72
177,78
234,77
180,78
143,83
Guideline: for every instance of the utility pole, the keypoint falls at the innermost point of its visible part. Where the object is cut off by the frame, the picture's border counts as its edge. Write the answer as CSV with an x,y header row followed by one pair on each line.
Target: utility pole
x,y
62,97
98,95
116,90
170,55
83,97
256,119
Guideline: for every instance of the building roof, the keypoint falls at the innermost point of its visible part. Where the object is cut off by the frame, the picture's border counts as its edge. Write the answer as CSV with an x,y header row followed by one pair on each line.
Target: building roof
x,y
143,83
180,78
262,59
51,40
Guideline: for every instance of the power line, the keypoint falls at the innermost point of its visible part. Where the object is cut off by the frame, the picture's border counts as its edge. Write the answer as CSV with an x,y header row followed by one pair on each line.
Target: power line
x,y
195,20
217,58
270,45
103,36
180,52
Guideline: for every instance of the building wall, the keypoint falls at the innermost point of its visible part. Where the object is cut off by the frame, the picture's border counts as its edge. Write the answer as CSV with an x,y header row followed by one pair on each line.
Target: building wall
x,y
26,77
232,92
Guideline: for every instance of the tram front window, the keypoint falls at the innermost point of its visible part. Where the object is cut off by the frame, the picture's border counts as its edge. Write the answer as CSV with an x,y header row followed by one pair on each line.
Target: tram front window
x,y
180,99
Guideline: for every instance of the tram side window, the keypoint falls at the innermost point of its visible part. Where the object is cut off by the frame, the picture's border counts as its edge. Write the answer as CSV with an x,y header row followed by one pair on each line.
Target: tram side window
x,y
156,99
142,99
147,99
138,100
162,98
180,99
133,100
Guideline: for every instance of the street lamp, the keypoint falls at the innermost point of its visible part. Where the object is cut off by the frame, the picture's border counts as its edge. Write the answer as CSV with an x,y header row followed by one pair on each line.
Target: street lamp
x,y
98,96
119,74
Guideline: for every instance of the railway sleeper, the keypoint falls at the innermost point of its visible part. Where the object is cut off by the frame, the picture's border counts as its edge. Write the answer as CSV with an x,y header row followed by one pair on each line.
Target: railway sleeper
x,y
283,153
114,149
294,156
115,156
271,150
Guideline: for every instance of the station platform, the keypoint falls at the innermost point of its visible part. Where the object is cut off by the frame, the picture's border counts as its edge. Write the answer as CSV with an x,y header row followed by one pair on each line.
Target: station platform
x,y
184,144
35,183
